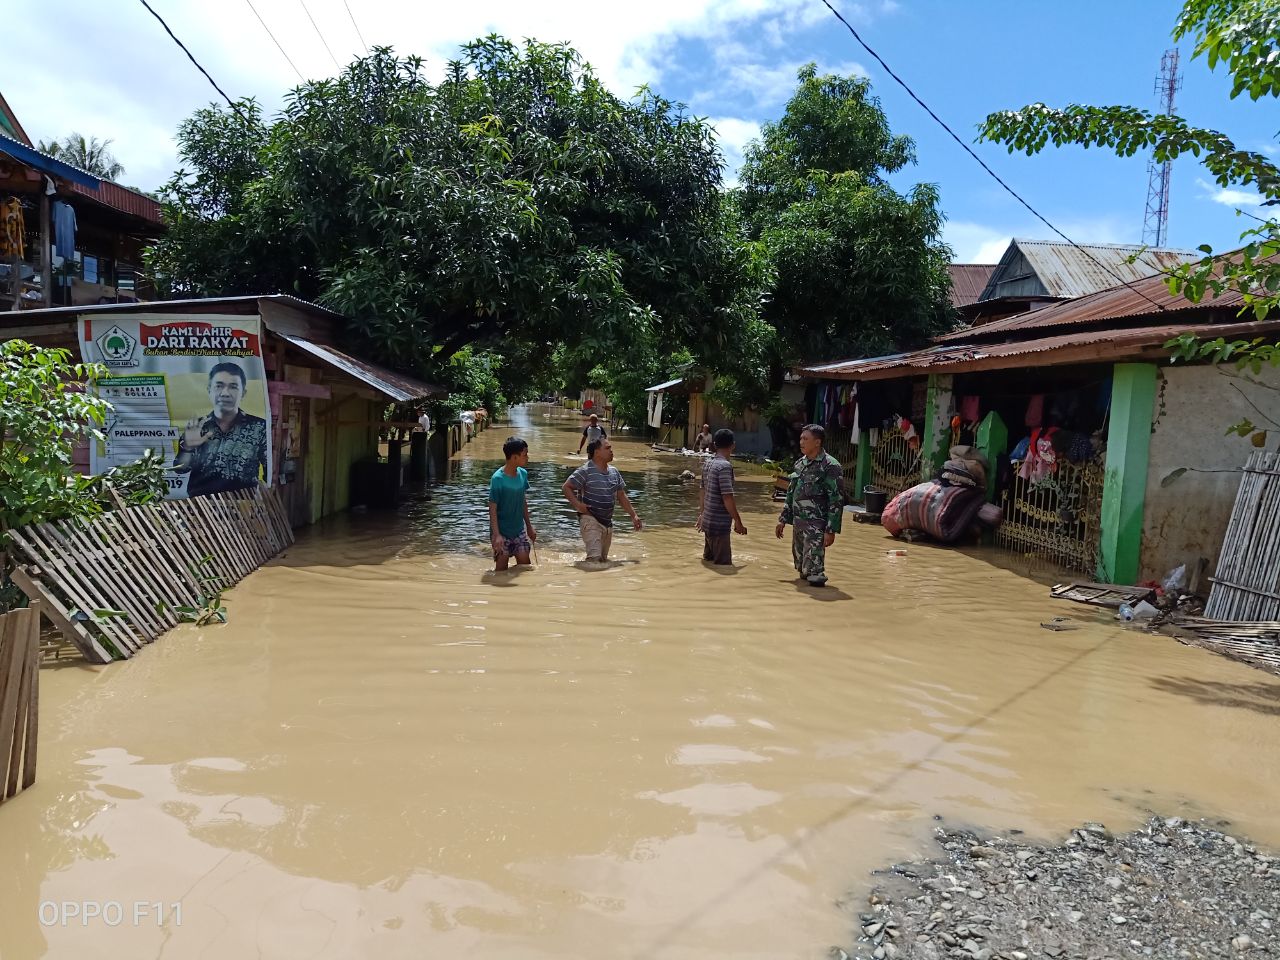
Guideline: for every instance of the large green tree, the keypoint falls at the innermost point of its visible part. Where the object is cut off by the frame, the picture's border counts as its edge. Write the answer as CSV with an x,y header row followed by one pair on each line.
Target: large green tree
x,y
1242,36
857,268
514,206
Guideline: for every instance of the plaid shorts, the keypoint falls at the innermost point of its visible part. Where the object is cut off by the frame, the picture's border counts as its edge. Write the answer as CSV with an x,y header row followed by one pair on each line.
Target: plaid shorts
x,y
511,546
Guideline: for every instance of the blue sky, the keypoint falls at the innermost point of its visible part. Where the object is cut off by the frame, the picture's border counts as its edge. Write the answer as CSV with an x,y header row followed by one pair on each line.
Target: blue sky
x,y
733,61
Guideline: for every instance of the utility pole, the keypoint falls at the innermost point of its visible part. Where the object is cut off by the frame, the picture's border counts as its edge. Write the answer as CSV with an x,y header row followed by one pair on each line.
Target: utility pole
x,y
1155,224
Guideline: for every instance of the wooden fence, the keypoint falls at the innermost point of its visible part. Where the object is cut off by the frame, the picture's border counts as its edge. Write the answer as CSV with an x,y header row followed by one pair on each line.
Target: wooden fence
x,y
117,582
19,699
1247,582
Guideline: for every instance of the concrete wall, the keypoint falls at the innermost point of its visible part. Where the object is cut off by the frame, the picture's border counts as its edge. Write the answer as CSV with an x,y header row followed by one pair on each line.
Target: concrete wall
x,y
1194,406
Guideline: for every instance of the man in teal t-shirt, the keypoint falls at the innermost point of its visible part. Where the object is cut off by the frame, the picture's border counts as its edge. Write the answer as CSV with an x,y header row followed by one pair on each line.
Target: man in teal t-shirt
x,y
510,528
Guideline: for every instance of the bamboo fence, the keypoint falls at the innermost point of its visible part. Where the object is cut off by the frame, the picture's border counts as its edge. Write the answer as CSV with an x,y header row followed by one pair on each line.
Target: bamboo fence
x,y
1246,586
115,583
19,699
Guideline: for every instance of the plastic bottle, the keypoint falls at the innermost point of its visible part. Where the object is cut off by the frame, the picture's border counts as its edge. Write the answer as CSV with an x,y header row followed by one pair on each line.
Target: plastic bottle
x,y
1126,612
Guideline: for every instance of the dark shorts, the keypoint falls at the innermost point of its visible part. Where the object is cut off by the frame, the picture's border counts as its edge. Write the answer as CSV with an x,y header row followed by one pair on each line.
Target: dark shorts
x,y
514,546
718,548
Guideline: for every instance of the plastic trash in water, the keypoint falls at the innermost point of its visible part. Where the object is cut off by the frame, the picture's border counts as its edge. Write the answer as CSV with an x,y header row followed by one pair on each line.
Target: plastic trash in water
x,y
1139,611
897,553
1126,612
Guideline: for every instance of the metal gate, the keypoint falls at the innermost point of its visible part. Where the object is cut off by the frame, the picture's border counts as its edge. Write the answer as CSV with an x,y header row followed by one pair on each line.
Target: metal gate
x,y
895,465
1058,518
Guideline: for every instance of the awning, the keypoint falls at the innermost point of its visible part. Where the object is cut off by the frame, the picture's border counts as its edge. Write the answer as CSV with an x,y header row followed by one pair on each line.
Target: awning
x,y
393,386
665,386
46,164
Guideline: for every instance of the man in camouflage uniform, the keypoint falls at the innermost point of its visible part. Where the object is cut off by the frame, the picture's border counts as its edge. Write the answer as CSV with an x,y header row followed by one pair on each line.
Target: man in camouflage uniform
x,y
814,507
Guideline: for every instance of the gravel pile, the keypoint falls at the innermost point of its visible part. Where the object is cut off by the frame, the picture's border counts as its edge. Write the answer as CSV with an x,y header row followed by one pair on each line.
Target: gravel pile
x,y
1172,889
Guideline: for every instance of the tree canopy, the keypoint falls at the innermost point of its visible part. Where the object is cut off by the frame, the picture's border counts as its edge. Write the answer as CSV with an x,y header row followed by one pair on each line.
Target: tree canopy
x,y
88,153
516,205
857,268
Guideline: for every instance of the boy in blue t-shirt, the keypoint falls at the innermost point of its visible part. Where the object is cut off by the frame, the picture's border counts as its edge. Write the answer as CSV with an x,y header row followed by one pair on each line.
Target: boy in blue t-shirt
x,y
510,528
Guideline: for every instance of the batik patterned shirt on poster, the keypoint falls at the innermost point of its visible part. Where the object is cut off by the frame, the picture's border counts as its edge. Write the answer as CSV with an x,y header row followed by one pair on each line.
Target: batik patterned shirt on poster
x,y
814,494
228,460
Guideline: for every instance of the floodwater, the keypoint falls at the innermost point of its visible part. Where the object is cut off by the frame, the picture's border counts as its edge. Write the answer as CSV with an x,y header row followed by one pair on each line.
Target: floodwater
x,y
390,752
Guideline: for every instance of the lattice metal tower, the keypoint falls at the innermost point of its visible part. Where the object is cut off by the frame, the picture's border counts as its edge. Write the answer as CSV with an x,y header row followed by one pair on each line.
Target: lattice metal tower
x,y
1155,225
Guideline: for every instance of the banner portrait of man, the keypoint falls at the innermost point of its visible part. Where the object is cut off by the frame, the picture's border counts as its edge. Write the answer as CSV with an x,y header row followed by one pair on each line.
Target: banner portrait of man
x,y
227,449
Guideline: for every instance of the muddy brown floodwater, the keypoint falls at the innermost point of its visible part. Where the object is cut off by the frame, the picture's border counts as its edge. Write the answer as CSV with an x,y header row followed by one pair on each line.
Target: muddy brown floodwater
x,y
390,752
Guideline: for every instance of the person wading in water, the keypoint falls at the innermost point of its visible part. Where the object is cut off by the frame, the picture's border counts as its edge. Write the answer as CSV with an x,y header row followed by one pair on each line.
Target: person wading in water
x,y
814,507
592,489
719,511
510,527
592,432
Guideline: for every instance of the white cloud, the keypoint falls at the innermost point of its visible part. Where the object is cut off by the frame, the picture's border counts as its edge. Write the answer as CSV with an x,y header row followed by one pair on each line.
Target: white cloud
x,y
975,242
1228,197
1270,149
119,76
734,134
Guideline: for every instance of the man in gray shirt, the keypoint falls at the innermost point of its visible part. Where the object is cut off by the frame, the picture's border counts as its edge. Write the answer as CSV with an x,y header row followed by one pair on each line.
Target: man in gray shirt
x,y
592,431
719,512
592,489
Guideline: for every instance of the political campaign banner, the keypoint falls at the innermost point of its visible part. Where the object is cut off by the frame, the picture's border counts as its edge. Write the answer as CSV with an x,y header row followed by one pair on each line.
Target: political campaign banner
x,y
191,387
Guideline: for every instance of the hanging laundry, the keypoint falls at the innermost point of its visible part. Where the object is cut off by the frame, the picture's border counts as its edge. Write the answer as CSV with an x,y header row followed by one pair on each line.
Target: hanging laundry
x,y
970,410
1035,411
13,229
909,434
64,230
655,409
1042,458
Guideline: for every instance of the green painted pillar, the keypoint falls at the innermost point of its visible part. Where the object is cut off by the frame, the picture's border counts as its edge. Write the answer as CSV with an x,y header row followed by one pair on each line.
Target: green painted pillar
x,y
937,426
862,471
993,440
1133,398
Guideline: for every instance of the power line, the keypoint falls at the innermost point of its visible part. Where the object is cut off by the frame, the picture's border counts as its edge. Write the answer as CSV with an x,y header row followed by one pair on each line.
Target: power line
x,y
274,40
967,149
356,25
319,34
231,103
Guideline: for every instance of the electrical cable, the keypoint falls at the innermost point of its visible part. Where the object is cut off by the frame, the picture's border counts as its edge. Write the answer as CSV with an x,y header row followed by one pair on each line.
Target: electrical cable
x,y
319,34
356,25
967,149
231,103
275,41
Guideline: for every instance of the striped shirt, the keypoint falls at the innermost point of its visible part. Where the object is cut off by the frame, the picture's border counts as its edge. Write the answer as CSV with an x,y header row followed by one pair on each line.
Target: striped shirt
x,y
598,489
717,480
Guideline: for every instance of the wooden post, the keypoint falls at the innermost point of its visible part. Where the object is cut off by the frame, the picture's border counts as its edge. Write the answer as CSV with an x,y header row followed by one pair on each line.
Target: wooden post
x,y
1133,398
46,252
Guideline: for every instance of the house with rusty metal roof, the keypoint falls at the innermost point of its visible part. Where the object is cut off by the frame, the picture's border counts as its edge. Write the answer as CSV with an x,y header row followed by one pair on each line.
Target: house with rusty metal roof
x,y
70,238
1033,274
1108,458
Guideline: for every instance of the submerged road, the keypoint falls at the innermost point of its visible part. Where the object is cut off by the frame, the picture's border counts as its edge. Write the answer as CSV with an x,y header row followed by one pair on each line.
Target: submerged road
x,y
392,752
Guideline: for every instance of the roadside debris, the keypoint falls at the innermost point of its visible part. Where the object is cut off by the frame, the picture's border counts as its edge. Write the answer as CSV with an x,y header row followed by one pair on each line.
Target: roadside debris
x,y
1171,888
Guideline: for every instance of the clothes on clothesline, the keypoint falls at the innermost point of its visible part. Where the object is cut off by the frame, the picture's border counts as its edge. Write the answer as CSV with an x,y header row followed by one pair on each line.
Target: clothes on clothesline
x,y
64,230
13,229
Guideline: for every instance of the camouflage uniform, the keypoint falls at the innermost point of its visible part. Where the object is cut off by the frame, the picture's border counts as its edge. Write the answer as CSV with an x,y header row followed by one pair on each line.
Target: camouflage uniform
x,y
814,506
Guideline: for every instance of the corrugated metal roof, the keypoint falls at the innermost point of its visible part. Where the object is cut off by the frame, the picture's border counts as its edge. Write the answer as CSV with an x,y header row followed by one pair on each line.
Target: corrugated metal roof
x,y
45,163
394,386
123,199
968,280
1104,345
664,386
1149,298
1074,270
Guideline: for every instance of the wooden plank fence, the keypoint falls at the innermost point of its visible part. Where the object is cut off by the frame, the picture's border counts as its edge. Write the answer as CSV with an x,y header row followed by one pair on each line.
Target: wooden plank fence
x,y
1247,583
112,584
19,699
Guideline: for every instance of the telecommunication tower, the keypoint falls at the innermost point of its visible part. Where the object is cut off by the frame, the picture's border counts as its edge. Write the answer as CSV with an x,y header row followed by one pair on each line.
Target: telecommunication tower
x,y
1155,225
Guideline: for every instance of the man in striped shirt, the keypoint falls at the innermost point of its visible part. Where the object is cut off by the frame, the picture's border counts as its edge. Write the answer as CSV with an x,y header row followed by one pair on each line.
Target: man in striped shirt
x,y
592,490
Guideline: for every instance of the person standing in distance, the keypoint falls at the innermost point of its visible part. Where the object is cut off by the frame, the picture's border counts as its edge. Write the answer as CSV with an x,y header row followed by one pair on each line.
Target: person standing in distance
x,y
814,506
704,441
719,512
592,490
227,450
592,432
510,527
